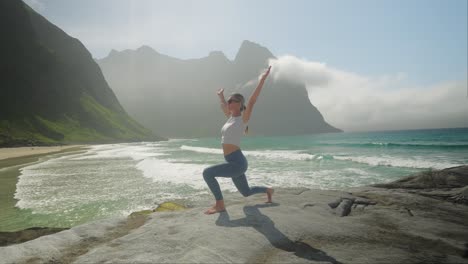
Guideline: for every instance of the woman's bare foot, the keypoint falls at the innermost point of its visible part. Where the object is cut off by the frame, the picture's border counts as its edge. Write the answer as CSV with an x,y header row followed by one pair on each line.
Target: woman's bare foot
x,y
269,193
218,207
214,210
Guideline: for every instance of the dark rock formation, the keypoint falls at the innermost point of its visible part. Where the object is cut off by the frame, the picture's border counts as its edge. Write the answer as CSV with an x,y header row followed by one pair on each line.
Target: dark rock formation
x,y
343,205
454,177
449,184
9,238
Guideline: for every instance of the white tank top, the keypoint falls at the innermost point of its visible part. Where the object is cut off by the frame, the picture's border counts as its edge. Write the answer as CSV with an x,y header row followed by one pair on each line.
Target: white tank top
x,y
232,131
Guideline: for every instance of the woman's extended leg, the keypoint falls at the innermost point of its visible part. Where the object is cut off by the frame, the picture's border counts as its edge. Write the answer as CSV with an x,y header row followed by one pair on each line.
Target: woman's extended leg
x,y
243,187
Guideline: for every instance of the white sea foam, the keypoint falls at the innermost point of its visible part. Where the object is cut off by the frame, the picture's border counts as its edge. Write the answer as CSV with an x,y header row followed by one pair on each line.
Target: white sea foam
x,y
36,181
65,183
268,154
135,152
281,155
202,150
165,171
313,178
182,139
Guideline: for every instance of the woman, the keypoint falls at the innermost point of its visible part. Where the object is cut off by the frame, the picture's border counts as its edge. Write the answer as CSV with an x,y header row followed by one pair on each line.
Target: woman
x,y
236,164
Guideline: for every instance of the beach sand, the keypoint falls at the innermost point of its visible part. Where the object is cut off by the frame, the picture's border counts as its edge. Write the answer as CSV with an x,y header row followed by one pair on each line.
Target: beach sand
x,y
8,153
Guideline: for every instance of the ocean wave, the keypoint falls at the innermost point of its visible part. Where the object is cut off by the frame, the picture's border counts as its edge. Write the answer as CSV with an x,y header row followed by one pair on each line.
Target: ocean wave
x,y
268,154
396,145
183,140
202,150
281,155
419,163
69,188
165,171
115,151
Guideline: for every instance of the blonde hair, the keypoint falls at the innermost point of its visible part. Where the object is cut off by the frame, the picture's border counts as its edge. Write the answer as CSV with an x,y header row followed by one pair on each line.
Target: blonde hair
x,y
240,98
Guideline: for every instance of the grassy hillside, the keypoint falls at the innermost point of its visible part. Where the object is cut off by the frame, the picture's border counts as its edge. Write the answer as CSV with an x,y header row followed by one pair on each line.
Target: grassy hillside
x,y
52,90
38,130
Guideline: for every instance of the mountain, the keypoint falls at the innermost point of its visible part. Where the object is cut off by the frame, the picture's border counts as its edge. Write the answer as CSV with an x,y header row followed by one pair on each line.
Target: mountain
x,y
178,97
52,89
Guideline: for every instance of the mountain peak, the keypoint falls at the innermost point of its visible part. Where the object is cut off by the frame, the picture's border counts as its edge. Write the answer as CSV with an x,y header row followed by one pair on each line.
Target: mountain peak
x,y
216,54
247,44
113,52
146,49
249,51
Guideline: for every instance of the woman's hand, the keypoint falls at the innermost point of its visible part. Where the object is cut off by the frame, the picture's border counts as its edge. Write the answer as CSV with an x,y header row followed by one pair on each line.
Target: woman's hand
x,y
224,105
265,75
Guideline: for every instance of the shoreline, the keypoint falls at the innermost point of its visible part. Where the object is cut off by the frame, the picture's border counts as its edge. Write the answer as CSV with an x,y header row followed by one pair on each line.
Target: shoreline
x,y
23,152
10,164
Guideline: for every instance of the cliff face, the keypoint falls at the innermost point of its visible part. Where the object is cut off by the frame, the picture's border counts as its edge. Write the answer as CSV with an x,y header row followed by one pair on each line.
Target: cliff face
x,y
178,97
52,90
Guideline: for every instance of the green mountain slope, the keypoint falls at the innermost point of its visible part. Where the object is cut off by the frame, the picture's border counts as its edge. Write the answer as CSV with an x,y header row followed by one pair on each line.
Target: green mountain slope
x,y
52,91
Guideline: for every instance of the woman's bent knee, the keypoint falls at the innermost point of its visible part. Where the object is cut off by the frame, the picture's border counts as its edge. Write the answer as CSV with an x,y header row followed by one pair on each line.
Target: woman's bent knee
x,y
207,173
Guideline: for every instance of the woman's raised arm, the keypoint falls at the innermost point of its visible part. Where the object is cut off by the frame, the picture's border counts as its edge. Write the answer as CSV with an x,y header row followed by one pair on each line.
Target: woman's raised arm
x,y
223,103
253,97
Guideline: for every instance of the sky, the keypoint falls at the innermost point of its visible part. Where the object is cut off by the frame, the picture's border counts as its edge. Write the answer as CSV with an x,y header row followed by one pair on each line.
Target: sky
x,y
392,48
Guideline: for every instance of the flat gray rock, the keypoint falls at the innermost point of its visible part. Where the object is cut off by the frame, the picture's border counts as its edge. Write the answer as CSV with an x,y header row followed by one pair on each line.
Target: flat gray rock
x,y
396,226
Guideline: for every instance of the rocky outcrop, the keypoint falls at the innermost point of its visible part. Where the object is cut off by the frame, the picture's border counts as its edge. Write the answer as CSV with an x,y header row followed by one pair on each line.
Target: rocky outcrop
x,y
343,205
454,177
449,184
361,225
9,238
398,228
134,220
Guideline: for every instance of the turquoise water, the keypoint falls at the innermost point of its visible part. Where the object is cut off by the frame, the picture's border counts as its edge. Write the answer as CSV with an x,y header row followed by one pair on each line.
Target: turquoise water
x,y
117,179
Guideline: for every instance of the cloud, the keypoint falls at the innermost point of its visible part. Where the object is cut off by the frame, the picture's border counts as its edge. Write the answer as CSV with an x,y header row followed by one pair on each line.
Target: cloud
x,y
355,103
37,5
